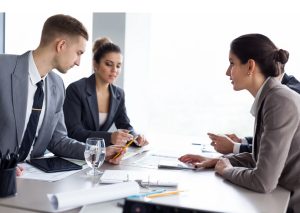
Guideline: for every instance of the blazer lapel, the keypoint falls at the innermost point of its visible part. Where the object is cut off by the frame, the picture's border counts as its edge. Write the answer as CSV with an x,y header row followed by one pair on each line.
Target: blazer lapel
x,y
113,106
20,93
92,100
272,82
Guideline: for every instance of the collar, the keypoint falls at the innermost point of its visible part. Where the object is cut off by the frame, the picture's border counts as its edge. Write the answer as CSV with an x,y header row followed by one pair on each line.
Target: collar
x,y
34,74
254,107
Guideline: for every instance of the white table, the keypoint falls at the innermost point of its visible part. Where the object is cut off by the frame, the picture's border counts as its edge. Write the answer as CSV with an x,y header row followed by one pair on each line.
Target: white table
x,y
203,190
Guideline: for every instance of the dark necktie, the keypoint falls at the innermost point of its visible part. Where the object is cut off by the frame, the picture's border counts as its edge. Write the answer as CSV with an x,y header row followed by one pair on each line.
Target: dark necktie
x,y
30,131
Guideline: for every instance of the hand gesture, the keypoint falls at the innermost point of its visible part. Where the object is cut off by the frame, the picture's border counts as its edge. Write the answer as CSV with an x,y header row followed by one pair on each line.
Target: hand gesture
x,y
221,143
141,141
120,137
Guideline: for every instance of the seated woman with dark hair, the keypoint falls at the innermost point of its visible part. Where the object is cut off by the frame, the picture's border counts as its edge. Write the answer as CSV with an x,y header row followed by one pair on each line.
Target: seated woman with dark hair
x,y
94,104
254,63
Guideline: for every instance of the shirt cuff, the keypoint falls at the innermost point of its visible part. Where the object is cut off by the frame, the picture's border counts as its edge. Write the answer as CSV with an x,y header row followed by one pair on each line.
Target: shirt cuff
x,y
236,148
244,141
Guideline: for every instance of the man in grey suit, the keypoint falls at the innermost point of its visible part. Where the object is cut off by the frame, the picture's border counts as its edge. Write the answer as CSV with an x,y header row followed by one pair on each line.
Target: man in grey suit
x,y
63,41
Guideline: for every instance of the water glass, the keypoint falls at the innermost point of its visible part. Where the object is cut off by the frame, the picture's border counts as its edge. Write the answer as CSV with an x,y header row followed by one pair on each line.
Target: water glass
x,y
94,154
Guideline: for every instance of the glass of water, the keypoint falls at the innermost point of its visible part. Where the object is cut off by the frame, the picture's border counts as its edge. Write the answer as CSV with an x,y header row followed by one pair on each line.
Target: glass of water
x,y
94,154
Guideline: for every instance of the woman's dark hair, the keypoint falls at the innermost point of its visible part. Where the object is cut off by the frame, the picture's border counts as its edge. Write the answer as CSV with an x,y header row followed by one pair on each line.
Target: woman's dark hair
x,y
263,51
102,46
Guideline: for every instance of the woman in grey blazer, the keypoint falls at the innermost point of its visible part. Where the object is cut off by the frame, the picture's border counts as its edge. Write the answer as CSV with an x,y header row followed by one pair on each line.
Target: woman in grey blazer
x,y
254,62
94,104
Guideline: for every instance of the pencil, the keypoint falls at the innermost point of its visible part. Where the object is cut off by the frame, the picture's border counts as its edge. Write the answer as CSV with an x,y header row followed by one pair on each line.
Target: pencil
x,y
165,194
127,145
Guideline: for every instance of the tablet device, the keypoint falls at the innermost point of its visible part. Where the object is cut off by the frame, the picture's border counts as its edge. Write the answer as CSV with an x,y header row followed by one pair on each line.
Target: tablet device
x,y
53,164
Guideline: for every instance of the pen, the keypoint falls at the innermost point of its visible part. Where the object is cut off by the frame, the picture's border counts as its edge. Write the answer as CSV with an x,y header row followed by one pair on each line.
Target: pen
x,y
157,191
127,145
165,194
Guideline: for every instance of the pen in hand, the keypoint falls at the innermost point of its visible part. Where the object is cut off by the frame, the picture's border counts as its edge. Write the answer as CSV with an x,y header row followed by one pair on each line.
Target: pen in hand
x,y
127,145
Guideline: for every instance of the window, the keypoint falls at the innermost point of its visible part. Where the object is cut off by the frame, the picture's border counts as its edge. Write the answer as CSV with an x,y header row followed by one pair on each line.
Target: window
x,y
186,91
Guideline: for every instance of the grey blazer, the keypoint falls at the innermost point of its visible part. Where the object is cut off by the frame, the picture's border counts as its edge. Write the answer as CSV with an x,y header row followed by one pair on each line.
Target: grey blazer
x,y
13,99
81,111
291,82
276,146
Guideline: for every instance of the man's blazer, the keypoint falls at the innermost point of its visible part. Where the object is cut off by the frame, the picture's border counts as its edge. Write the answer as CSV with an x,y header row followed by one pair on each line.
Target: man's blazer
x,y
52,135
291,82
81,111
276,145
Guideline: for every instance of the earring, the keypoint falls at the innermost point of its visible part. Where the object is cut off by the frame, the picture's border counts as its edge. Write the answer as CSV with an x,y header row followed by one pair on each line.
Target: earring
x,y
249,73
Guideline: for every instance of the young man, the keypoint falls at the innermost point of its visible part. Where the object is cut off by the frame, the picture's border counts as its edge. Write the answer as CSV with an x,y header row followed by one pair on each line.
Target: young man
x,y
32,96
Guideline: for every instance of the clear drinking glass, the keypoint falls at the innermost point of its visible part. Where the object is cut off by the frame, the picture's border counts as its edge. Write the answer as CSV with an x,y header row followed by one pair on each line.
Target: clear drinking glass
x,y
94,154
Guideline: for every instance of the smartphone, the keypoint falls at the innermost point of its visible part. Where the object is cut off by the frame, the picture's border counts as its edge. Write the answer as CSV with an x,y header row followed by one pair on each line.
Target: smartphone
x,y
53,164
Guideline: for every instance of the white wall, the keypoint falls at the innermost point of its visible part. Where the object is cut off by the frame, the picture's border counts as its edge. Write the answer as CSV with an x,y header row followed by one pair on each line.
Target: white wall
x,y
136,69
185,90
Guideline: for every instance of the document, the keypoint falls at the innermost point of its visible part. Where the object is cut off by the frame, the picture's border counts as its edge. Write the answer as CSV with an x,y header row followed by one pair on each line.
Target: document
x,y
150,160
144,178
76,198
133,151
175,164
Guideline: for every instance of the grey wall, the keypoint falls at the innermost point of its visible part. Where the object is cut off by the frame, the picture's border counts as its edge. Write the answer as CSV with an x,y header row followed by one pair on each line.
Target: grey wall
x,y
111,25
2,32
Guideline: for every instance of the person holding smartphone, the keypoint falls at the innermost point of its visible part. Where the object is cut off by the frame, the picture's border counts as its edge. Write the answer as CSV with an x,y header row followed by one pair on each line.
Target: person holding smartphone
x,y
255,62
231,143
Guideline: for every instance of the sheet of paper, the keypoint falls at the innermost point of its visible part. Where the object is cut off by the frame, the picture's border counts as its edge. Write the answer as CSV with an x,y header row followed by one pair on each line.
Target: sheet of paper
x,y
144,178
31,172
174,164
133,151
150,160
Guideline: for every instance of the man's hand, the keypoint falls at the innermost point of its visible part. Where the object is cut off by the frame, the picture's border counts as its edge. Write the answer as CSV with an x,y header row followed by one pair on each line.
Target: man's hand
x,y
222,143
234,138
112,151
19,170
